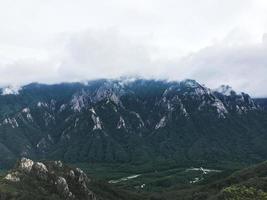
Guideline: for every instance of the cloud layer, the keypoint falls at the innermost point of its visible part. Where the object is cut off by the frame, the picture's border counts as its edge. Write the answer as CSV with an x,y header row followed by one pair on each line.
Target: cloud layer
x,y
215,42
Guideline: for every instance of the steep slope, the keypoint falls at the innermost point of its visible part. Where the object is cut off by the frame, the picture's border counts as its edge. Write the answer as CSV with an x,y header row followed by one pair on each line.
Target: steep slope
x,y
131,121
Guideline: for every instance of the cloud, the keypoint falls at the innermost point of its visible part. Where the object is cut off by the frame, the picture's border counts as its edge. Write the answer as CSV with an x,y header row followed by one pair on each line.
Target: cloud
x,y
108,53
23,71
99,54
213,41
242,66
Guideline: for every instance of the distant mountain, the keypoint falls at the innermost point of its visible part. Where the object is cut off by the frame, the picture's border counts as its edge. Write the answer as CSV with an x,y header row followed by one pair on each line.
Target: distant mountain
x,y
130,120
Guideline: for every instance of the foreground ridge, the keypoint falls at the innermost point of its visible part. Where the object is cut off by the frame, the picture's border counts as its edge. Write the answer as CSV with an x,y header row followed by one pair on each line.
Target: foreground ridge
x,y
48,179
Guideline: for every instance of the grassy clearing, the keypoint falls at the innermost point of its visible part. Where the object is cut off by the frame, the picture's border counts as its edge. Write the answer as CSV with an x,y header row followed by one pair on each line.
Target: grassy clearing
x,y
153,178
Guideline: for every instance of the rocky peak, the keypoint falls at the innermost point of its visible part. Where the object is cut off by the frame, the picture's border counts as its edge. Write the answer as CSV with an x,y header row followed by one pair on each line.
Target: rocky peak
x,y
235,102
25,165
190,83
110,90
78,101
193,89
53,176
107,90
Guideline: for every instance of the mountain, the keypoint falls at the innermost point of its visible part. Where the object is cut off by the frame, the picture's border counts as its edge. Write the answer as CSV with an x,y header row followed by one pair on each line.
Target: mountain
x,y
131,121
53,180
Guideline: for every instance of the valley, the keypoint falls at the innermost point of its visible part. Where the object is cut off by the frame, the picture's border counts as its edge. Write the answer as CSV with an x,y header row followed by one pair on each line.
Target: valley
x,y
144,178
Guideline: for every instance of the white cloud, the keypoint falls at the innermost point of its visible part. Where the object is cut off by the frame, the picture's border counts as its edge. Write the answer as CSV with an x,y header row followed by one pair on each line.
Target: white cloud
x,y
95,54
242,66
213,41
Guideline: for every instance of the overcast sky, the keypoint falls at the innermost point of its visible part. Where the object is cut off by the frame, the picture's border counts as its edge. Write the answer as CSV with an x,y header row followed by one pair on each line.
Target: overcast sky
x,y
213,41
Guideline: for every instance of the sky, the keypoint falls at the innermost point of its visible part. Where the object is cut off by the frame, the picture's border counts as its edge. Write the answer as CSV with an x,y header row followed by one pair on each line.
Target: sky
x,y
213,41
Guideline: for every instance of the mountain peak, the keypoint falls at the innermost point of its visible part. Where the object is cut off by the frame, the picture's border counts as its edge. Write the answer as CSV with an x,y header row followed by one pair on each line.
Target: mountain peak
x,y
190,83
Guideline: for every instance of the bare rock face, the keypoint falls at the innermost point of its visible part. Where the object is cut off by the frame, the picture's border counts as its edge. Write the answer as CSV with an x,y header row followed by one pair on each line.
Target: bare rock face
x,y
83,181
59,179
13,177
63,188
71,174
40,170
82,176
58,163
25,165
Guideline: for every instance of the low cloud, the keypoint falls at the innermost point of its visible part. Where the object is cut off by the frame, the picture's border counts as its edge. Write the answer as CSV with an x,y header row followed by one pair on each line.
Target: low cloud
x,y
244,67
109,54
100,54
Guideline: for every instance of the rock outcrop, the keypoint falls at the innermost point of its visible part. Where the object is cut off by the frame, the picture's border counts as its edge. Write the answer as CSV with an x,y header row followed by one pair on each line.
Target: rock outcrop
x,y
53,176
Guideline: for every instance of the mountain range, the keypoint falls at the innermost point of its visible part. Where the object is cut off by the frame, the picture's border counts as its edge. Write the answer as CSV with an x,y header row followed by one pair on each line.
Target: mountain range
x,y
132,121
